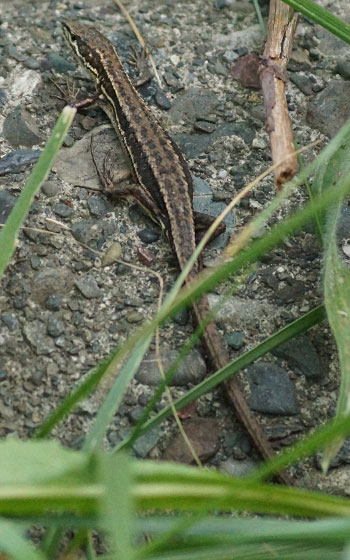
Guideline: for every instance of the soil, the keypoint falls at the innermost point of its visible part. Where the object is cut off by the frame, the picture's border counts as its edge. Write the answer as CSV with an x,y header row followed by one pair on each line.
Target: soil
x,y
62,309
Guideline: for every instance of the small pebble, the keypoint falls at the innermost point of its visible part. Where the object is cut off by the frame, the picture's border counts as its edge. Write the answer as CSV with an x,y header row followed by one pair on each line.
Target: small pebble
x,y
148,235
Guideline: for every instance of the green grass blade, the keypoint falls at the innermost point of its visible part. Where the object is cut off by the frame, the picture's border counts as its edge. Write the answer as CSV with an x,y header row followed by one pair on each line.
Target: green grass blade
x,y
117,504
259,16
9,233
105,487
336,280
111,404
15,545
337,300
321,16
170,486
238,530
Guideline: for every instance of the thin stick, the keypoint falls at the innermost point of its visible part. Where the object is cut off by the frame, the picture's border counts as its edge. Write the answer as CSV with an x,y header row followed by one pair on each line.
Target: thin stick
x,y
139,38
272,72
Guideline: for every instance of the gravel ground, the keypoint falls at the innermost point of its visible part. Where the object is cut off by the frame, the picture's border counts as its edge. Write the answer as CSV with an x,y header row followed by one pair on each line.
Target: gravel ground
x,y
63,307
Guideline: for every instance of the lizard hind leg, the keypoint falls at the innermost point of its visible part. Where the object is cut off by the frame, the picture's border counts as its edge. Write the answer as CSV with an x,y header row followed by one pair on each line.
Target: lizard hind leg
x,y
117,186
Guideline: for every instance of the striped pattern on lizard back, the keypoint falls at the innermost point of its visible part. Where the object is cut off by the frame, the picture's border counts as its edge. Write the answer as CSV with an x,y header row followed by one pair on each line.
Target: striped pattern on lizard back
x,y
158,165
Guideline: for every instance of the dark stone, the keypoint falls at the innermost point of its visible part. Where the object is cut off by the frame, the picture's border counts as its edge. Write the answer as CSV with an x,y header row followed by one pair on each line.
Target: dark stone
x,y
343,68
15,161
272,391
54,302
290,292
332,101
60,64
303,82
63,210
135,414
55,326
7,202
20,302
191,370
235,340
10,321
162,101
301,353
98,206
3,99
19,129
203,434
181,317
204,126
148,235
146,442
195,144
203,203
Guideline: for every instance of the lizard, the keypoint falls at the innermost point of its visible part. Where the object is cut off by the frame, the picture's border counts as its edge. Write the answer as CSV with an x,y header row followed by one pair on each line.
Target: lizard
x,y
164,187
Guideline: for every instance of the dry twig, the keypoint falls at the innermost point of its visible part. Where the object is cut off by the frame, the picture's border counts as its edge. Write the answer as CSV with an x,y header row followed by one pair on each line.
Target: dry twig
x,y
272,72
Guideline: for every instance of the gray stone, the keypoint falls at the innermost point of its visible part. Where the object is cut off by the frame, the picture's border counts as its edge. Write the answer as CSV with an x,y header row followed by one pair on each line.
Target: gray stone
x,y
63,210
146,442
20,302
55,326
193,103
17,160
343,224
332,101
35,262
204,126
162,101
10,321
203,203
301,353
54,302
35,333
60,64
84,231
272,391
7,202
238,468
20,129
49,281
134,316
98,206
135,414
235,340
87,285
303,82
195,144
191,370
343,68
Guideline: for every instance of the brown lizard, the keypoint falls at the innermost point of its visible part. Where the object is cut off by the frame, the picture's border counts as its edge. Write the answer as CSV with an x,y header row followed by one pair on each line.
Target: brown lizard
x,y
164,188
